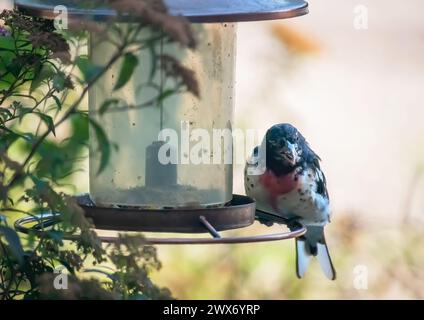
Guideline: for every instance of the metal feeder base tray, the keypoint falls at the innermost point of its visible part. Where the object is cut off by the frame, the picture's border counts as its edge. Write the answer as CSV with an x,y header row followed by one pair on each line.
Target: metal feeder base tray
x,y
239,213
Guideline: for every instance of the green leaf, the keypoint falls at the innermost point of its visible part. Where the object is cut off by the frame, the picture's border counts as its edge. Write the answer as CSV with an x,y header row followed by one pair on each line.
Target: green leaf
x,y
40,185
14,67
10,136
59,81
7,43
14,243
58,102
48,121
23,111
106,105
127,70
5,114
88,69
44,72
103,143
56,235
153,64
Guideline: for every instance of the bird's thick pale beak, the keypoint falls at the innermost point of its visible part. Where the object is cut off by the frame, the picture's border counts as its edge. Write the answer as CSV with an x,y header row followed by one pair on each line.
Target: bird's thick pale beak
x,y
289,154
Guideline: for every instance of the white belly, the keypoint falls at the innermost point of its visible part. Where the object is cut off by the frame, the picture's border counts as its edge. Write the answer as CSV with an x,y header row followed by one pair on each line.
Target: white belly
x,y
303,201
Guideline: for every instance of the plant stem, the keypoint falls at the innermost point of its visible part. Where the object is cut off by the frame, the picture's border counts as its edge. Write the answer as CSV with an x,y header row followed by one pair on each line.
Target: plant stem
x,y
71,110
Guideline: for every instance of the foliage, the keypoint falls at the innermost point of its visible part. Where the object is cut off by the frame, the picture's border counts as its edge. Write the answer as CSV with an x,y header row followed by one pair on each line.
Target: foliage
x,y
42,94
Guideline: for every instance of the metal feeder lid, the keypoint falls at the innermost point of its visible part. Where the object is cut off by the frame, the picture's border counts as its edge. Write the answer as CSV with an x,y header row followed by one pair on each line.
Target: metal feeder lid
x,y
200,11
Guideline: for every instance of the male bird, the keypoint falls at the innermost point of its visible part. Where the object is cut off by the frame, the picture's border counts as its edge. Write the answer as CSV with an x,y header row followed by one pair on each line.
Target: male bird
x,y
292,186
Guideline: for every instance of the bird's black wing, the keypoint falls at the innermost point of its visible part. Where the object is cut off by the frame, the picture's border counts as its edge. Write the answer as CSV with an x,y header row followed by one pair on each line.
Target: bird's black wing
x,y
312,161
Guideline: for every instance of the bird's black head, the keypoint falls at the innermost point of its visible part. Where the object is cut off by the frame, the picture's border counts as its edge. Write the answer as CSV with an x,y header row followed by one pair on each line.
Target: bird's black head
x,y
286,149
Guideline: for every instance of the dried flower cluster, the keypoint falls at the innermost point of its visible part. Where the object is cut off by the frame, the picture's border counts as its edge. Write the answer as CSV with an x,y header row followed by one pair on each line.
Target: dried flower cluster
x,y
41,34
4,32
155,13
173,68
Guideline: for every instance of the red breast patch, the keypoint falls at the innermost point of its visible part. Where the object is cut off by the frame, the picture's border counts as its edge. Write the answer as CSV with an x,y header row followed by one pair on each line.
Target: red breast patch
x,y
278,186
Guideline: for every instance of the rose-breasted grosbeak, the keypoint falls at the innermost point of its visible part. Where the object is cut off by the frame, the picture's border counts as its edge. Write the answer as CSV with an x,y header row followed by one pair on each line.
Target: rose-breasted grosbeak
x,y
292,186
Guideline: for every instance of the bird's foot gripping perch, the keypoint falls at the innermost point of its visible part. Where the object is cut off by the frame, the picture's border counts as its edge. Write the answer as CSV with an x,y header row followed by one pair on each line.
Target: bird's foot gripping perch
x,y
269,219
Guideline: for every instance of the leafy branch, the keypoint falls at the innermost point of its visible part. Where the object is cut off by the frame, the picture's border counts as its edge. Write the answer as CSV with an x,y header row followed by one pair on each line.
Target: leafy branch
x,y
40,91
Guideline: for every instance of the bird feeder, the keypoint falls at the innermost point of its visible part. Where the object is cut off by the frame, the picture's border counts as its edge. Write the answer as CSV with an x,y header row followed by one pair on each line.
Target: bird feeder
x,y
136,191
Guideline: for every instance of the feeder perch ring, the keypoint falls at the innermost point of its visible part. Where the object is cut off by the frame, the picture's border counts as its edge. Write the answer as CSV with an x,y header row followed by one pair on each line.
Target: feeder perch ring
x,y
47,220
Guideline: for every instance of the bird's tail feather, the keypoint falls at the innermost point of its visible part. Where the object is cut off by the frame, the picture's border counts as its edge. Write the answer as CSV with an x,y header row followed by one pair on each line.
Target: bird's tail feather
x,y
303,257
313,244
325,261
